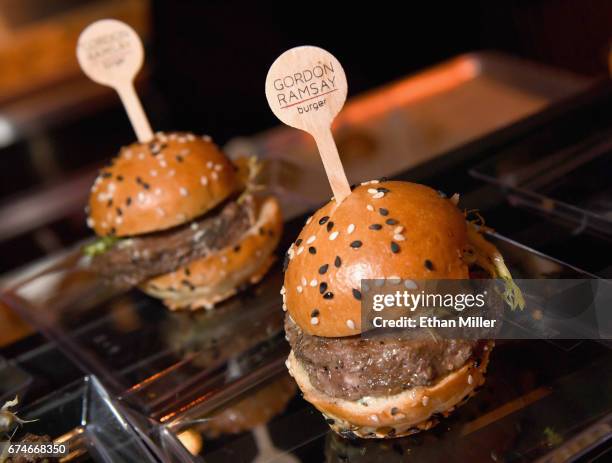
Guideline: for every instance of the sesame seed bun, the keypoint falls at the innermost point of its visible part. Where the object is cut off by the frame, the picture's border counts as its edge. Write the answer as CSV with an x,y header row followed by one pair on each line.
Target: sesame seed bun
x,y
398,415
381,230
160,184
209,280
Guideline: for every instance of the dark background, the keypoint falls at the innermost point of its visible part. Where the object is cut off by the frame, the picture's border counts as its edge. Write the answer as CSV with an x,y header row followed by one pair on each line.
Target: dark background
x,y
211,58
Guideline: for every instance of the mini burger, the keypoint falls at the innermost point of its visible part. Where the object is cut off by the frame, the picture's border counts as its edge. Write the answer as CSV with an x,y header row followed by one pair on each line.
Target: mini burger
x,y
381,387
177,218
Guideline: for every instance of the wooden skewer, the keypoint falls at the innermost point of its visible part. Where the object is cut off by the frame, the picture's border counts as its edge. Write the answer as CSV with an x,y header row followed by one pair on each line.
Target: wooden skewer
x,y
306,89
111,53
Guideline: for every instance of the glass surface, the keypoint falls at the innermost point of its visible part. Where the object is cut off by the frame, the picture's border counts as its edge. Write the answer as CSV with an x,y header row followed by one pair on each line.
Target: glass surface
x,y
83,417
13,380
572,182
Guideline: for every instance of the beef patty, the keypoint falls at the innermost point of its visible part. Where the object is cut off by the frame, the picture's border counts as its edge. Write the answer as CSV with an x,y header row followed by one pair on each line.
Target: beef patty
x,y
135,259
354,367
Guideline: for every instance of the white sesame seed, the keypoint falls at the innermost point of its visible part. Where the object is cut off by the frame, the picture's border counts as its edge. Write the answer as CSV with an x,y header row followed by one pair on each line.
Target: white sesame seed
x,y
351,324
299,289
313,282
105,225
372,191
128,154
333,236
470,379
284,307
398,230
224,259
171,172
141,156
399,237
374,418
183,191
214,176
194,226
153,173
311,239
218,167
369,207
304,281
209,164
190,137
160,211
350,229
112,187
314,321
163,163
157,191
141,196
308,220
206,138
378,195
283,290
425,400
118,220
300,250
90,222
204,180
455,199
409,284
198,235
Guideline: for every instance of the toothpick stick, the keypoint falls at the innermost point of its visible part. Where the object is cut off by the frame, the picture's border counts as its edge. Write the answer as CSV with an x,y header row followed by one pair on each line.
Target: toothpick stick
x,y
306,88
111,53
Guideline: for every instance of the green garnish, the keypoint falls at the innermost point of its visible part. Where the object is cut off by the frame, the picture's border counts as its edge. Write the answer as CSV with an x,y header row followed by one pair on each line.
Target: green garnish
x,y
100,246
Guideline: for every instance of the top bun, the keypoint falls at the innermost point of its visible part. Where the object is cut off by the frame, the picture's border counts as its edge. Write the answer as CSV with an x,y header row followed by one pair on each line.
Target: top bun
x,y
381,230
160,184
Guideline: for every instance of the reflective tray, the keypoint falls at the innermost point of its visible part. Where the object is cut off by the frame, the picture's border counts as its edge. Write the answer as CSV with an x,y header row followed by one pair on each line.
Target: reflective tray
x,y
540,401
84,418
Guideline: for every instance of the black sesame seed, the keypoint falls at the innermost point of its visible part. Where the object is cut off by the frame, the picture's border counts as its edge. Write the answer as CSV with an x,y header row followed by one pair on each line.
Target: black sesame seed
x,y
312,250
330,225
298,242
138,180
356,244
128,201
179,158
394,411
395,247
383,190
328,295
375,226
285,262
270,232
109,203
429,265
261,231
146,186
383,179
324,219
187,271
314,313
382,211
357,294
391,432
330,421
322,287
120,178
391,222
338,262
119,211
237,248
113,231
106,174
323,269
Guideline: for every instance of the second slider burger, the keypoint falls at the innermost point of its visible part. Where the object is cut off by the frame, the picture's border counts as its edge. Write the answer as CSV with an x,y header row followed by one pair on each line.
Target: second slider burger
x,y
388,386
178,218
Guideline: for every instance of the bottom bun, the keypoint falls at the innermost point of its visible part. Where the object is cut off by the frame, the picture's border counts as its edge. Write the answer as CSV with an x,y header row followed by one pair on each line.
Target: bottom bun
x,y
214,278
398,415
